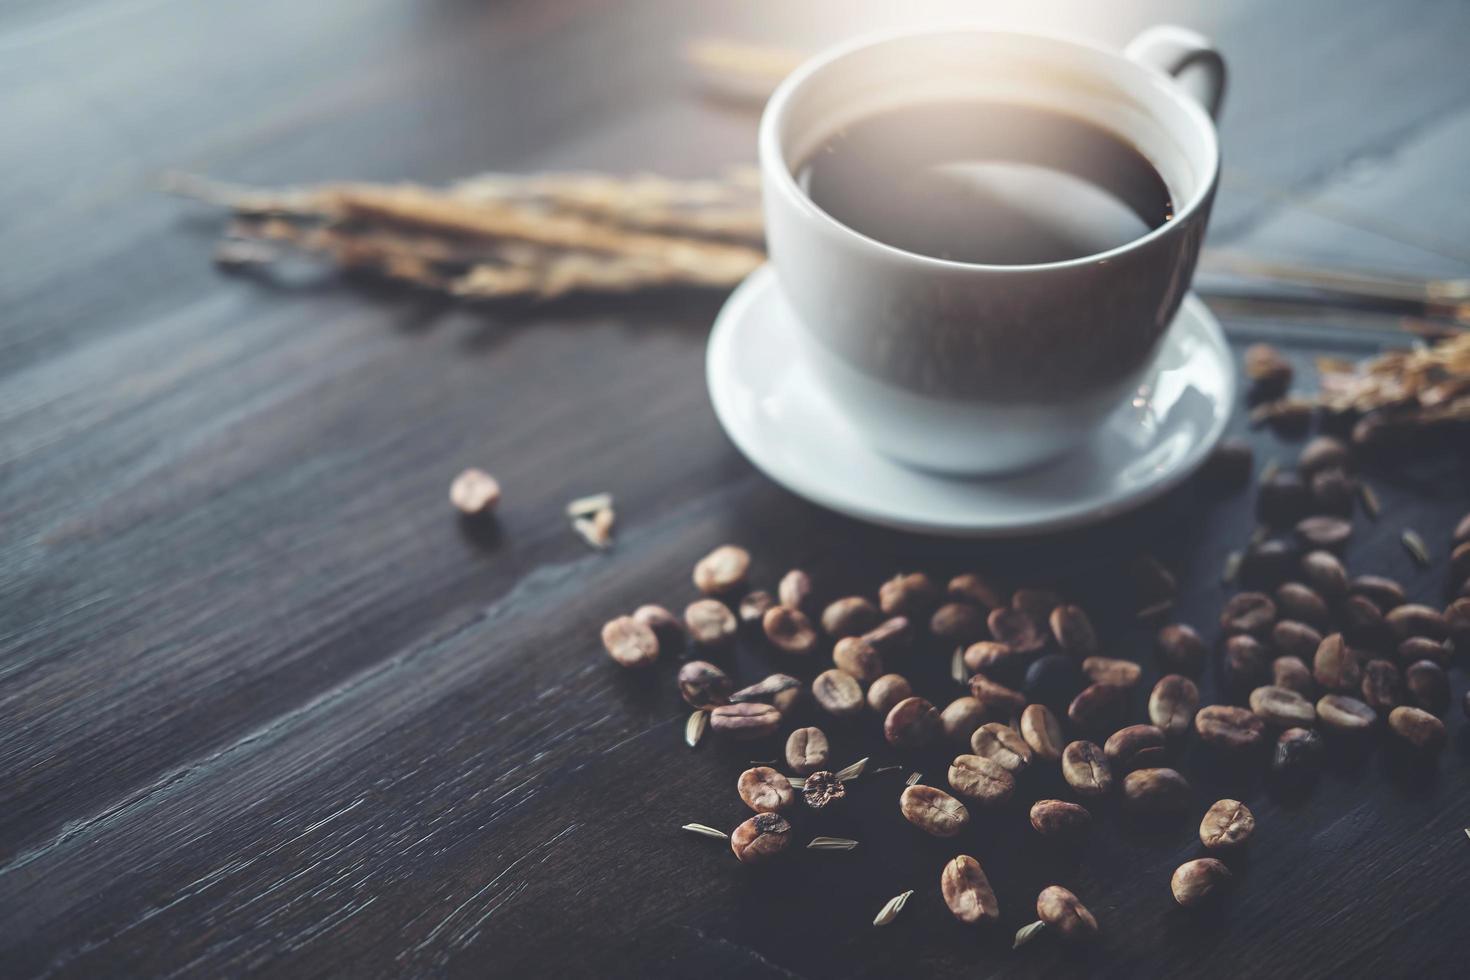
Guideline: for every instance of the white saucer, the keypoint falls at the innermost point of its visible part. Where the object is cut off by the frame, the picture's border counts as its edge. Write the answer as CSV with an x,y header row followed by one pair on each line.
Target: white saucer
x,y
776,416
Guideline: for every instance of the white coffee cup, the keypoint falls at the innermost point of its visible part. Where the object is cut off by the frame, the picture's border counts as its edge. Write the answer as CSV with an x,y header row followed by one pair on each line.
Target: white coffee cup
x,y
970,368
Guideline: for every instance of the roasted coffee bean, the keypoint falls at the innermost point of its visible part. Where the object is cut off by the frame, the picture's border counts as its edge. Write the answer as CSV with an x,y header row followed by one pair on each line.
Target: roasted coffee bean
x,y
1226,726
629,642
703,685
913,723
1418,728
722,571
933,811
960,718
1333,492
765,790
893,635
1324,572
748,720
1250,613
1266,564
1058,818
1073,631
1245,663
795,590
982,780
1172,704
1294,639
967,891
1384,593
1135,747
760,838
1428,686
665,625
974,589
997,698
1413,619
710,623
1098,707
1417,648
1108,670
837,693
1016,630
989,657
790,631
1322,531
1299,752
1042,732
1054,680
1086,769
1227,823
1457,621
1002,745
1382,688
780,690
807,751
1282,500
1292,674
1363,625
754,606
1341,713
822,788
1065,915
887,691
1155,791
1228,467
1296,601
912,595
958,622
1194,882
1282,707
1035,603
856,656
852,616
1323,453
1337,666
1269,372
1181,649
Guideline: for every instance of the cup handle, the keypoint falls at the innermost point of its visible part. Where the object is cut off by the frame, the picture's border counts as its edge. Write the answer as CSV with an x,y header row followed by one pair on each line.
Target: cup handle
x,y
1174,50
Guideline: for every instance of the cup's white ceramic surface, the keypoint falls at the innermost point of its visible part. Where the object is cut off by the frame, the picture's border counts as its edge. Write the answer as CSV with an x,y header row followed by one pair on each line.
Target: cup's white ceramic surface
x,y
973,368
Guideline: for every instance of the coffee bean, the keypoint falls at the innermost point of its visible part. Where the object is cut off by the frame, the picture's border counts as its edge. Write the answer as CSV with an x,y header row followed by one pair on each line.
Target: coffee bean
x,y
1226,726
1457,621
722,571
1292,674
765,790
754,606
1421,730
982,780
1250,613
789,630
1002,745
1382,688
1181,649
1155,791
780,690
1413,619
1042,732
1194,882
629,642
807,751
1333,492
1282,706
912,595
988,657
1323,453
1172,704
1244,664
822,788
703,685
887,691
1037,604
760,838
1417,648
997,698
1054,680
1108,670
1337,666
1428,686
1296,601
856,656
1363,625
749,720
958,622
1269,372
893,635
1294,639
1085,768
837,693
913,723
1384,593
1228,467
1343,714
1324,572
795,590
1324,532
1073,631
1058,818
665,625
1097,707
976,590
710,623
967,891
933,811
852,616
1266,564
1282,499
1227,823
1064,914
1298,752
1135,747
960,718
1016,630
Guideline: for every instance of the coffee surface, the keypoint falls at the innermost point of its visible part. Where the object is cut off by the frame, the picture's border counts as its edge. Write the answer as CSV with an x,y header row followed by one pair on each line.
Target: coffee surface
x,y
986,182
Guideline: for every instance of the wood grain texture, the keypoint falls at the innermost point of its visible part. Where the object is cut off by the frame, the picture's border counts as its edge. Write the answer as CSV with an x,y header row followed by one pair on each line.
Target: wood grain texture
x,y
269,707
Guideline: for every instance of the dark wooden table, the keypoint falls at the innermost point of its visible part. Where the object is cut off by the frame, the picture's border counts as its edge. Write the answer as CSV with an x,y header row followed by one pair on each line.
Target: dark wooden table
x,y
267,706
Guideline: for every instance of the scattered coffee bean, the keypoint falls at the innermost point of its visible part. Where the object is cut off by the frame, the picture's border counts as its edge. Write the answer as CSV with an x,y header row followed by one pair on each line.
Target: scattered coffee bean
x,y
1058,818
1229,464
912,595
1135,747
887,691
1292,674
1002,745
765,790
1428,686
1108,670
1245,663
1054,680
722,571
1227,823
1293,639
1269,372
1098,707
893,635
710,623
1250,613
997,698
629,642
795,590
1226,726
958,622
837,693
703,685
782,691
1324,532
1384,593
933,811
1266,564
1323,453
1422,731
1324,572
753,608
1298,752
1016,630
1172,704
1337,666
1085,768
822,788
976,590
807,751
1363,625
474,492
1194,882
1155,791
852,616
967,891
1457,621
760,838
982,780
748,720
1282,706
1343,714
1382,688
1181,649
989,657
1414,619
1063,913
1333,492
665,625
856,656
960,718
1298,602
1073,631
913,723
789,630
1282,499
1035,603
1042,732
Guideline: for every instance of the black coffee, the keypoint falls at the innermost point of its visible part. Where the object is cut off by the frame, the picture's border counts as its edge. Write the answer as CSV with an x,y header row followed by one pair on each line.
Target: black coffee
x,y
986,182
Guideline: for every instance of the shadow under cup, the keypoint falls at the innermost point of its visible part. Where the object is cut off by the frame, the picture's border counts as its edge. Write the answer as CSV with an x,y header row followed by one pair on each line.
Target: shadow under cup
x,y
971,368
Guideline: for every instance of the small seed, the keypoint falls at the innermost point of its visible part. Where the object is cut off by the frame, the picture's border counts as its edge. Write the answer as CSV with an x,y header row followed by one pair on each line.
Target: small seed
x,y
754,606
982,780
1282,499
1228,823
1382,688
960,718
976,590
913,723
1324,572
722,571
1002,745
1292,674
1172,704
1415,546
1155,791
665,625
1108,670
765,790
887,691
1251,613
893,635
704,830
1073,631
1323,531
629,642
703,685
1267,563
1337,666
914,594
822,788
1195,881
780,690
891,908
933,811
1333,492
1299,752
851,616
1341,713
1245,663
832,844
695,728
1097,707
807,751
1385,593
1363,624
474,492
958,622
1181,649
1323,453
838,693
1294,639
745,721
1413,619
1417,648
1428,685
1296,601
1229,727
967,891
989,657
1064,913
760,838
1057,818
1418,728
1042,732
1135,747
856,656
1282,707
710,623
795,590
1085,768
1457,620
1015,629
996,697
